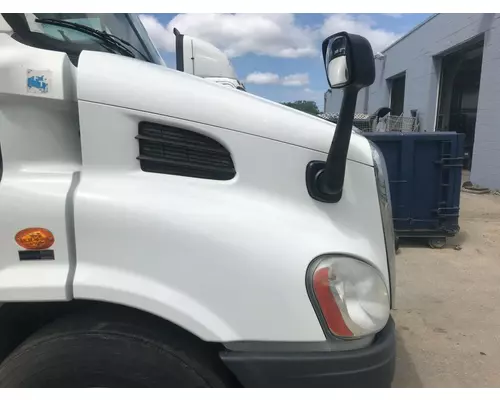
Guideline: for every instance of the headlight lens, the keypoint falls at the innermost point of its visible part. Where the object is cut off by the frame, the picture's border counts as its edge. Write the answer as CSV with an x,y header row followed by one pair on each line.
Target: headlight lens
x,y
350,296
384,195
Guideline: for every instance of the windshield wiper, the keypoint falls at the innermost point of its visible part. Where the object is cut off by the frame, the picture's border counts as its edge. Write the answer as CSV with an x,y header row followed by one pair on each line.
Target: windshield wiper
x,y
128,44
109,41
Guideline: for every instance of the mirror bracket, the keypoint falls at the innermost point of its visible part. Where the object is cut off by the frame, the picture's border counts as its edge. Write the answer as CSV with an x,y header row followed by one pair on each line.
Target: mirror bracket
x,y
314,171
325,180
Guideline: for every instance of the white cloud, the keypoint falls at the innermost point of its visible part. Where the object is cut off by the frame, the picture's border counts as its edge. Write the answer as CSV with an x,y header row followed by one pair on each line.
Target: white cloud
x,y
262,78
362,25
238,34
314,94
394,15
269,78
296,80
277,35
163,38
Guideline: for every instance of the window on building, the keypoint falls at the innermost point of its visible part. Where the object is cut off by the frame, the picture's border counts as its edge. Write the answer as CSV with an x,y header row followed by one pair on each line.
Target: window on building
x,y
397,86
459,93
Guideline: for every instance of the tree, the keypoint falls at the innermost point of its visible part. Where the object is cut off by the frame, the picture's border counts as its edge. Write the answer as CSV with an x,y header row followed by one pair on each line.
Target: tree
x,y
304,105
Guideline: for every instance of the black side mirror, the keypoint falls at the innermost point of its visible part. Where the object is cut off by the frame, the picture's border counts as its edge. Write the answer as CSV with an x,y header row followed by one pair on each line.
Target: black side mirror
x,y
349,61
349,65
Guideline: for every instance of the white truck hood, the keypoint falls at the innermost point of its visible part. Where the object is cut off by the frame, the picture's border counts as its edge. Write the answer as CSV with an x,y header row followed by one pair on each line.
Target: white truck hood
x,y
125,82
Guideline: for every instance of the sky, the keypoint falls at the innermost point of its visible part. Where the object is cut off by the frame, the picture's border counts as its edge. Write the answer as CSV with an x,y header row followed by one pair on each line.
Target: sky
x,y
277,56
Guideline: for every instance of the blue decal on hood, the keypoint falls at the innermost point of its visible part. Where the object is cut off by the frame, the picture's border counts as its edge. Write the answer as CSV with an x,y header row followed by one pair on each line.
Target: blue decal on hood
x,y
38,83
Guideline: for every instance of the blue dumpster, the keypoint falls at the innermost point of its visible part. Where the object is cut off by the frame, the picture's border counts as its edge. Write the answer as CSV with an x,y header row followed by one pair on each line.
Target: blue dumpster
x,y
425,174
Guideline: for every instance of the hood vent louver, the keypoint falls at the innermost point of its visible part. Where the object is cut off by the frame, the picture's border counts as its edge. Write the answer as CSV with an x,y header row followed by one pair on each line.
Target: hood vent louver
x,y
176,151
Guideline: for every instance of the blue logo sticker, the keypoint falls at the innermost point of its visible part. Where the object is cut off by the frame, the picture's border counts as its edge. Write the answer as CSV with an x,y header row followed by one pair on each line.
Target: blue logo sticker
x,y
38,81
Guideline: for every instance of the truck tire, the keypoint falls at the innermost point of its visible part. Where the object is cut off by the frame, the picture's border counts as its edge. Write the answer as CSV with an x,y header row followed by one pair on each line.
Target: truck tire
x,y
112,349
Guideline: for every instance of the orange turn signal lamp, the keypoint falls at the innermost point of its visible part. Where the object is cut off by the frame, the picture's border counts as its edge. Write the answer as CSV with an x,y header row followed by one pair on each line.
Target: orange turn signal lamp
x,y
35,238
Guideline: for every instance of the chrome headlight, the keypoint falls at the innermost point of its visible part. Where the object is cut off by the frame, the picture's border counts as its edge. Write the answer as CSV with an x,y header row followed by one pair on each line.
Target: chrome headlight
x,y
350,296
384,196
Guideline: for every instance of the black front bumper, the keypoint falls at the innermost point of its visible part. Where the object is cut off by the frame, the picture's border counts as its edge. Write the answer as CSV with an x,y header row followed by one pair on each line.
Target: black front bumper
x,y
369,367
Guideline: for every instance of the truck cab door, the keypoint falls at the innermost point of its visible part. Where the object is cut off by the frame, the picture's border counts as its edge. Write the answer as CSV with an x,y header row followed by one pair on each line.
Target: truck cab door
x,y
41,159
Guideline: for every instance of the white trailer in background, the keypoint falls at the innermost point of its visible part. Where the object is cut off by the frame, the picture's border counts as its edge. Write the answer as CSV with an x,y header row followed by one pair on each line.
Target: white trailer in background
x,y
197,57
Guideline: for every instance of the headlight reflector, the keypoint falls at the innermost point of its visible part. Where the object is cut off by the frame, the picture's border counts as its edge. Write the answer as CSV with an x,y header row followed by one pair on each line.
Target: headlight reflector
x,y
350,295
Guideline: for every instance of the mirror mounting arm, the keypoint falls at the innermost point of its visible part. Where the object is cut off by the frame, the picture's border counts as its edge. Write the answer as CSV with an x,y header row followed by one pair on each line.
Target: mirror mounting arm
x,y
349,64
325,180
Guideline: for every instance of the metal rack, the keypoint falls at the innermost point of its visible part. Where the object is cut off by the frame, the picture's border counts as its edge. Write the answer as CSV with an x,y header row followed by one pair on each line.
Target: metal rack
x,y
372,123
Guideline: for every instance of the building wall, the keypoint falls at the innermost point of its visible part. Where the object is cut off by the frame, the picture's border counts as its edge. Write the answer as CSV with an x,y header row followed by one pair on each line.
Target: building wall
x,y
333,101
486,159
418,55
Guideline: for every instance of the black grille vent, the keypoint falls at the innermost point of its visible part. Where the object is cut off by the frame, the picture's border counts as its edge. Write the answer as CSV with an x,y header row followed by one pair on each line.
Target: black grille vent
x,y
175,151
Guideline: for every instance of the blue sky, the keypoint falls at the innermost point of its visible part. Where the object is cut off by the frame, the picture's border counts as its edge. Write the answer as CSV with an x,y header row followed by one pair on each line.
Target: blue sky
x,y
277,55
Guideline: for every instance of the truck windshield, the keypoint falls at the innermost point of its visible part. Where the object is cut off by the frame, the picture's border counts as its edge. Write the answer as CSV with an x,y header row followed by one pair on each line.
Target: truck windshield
x,y
67,33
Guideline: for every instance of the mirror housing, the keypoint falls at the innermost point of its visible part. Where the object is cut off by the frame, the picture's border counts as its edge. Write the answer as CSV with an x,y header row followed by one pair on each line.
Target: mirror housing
x,y
349,57
349,65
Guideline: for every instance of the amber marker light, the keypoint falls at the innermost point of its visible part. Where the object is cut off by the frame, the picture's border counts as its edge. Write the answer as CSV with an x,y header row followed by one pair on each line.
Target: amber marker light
x,y
35,238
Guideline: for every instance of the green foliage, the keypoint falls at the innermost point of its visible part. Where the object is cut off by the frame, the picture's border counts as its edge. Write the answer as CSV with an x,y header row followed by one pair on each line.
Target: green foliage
x,y
304,105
